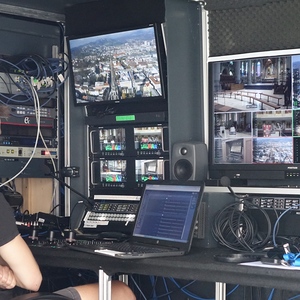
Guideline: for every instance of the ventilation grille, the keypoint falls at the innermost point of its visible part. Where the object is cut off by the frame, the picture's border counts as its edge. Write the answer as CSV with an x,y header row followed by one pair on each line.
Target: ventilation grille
x,y
272,26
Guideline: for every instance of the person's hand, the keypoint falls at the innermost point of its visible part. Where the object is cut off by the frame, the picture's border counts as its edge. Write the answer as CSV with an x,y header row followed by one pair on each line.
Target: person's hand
x,y
7,278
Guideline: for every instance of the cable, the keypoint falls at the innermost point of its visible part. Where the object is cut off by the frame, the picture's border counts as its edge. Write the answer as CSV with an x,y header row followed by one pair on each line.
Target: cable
x,y
271,294
46,74
237,230
27,71
37,111
137,286
153,282
166,287
188,293
277,222
48,151
233,290
87,201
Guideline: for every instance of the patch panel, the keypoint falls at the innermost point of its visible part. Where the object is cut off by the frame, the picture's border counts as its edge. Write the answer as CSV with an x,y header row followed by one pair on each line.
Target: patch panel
x,y
22,110
276,202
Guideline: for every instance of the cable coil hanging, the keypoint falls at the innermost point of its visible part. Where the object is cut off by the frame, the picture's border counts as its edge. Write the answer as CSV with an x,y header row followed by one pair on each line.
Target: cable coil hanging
x,y
235,228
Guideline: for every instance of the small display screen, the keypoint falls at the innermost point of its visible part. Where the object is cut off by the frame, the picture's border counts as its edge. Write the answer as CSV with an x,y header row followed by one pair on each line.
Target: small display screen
x,y
112,139
113,170
148,138
106,140
149,170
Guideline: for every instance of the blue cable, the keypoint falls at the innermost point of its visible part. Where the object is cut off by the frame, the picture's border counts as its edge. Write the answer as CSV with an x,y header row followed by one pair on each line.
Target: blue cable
x,y
190,294
54,66
277,221
271,294
233,290
166,287
162,295
137,286
153,286
13,65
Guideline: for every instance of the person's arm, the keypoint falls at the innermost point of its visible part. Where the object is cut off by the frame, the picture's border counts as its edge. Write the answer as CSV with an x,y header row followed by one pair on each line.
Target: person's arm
x,y
7,278
18,257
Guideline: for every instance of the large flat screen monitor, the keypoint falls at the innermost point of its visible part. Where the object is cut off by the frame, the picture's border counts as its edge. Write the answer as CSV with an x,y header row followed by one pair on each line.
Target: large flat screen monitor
x,y
255,118
122,66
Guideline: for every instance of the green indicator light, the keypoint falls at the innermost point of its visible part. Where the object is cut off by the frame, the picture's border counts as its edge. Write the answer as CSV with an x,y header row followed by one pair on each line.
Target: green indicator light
x,y
125,118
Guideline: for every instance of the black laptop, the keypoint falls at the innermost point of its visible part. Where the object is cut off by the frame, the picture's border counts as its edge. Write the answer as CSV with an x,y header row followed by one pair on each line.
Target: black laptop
x,y
164,223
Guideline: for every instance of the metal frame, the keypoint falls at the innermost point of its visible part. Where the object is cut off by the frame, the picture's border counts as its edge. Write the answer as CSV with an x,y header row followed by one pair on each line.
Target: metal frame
x,y
31,13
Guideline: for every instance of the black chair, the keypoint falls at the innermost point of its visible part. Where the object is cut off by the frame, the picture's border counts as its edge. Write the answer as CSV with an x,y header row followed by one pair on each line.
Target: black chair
x,y
41,296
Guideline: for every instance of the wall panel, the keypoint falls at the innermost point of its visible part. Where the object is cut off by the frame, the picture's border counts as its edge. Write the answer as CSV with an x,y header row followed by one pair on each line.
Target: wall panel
x,y
252,26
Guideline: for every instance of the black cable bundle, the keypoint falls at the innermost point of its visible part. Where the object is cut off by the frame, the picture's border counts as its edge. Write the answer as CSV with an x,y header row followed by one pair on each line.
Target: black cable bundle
x,y
236,229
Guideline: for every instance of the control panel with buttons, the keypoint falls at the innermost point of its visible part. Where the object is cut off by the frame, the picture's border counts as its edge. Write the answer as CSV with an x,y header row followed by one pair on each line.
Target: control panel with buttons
x,y
106,212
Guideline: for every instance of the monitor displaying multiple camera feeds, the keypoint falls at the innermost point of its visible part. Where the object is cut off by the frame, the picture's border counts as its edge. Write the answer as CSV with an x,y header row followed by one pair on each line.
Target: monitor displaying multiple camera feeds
x,y
255,104
118,66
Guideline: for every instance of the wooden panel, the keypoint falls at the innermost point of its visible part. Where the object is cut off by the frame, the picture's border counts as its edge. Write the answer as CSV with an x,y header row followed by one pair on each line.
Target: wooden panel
x,y
37,194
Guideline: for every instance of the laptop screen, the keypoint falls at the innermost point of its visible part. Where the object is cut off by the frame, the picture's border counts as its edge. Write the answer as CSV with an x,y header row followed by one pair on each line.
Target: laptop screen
x,y
167,212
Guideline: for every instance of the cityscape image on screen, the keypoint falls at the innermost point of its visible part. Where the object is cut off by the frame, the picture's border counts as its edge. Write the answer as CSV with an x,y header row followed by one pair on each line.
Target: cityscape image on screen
x,y
116,66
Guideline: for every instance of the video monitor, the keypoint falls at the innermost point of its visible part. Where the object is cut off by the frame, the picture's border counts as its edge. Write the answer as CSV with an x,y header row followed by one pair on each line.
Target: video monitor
x,y
107,141
149,170
113,170
109,172
151,140
119,66
254,116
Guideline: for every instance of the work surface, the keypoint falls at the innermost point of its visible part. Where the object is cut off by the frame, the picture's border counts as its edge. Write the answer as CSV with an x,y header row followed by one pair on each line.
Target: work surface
x,y
199,264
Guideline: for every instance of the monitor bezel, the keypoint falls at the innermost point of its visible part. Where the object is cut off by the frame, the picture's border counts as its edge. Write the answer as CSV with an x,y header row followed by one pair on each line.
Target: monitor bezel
x,y
243,174
140,101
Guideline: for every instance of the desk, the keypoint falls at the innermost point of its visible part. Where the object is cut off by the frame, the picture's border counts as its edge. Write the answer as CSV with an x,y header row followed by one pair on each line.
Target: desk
x,y
199,265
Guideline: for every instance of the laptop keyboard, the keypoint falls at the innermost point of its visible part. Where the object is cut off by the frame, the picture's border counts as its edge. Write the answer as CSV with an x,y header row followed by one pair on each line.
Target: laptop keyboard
x,y
128,247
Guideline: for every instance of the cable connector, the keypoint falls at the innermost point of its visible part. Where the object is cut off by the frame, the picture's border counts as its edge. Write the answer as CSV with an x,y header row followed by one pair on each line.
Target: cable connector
x,y
286,248
69,172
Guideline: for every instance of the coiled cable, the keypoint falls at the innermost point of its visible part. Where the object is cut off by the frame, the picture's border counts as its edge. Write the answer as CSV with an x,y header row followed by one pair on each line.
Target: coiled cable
x,y
235,228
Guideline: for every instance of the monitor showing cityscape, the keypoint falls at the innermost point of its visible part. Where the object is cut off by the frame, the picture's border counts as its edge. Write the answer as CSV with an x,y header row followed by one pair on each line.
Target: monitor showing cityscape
x,y
116,67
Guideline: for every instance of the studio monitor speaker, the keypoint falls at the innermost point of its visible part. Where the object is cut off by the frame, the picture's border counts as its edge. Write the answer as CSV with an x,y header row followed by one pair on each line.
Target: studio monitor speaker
x,y
189,161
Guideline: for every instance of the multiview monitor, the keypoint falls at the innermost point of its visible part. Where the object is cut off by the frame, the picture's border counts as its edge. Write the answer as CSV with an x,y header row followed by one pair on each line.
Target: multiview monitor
x,y
255,117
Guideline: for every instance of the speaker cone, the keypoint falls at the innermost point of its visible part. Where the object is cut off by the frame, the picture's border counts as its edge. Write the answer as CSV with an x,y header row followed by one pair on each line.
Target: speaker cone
x,y
183,169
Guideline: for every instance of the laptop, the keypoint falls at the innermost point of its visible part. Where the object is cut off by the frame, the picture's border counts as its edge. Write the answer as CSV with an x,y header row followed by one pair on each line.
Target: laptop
x,y
164,223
